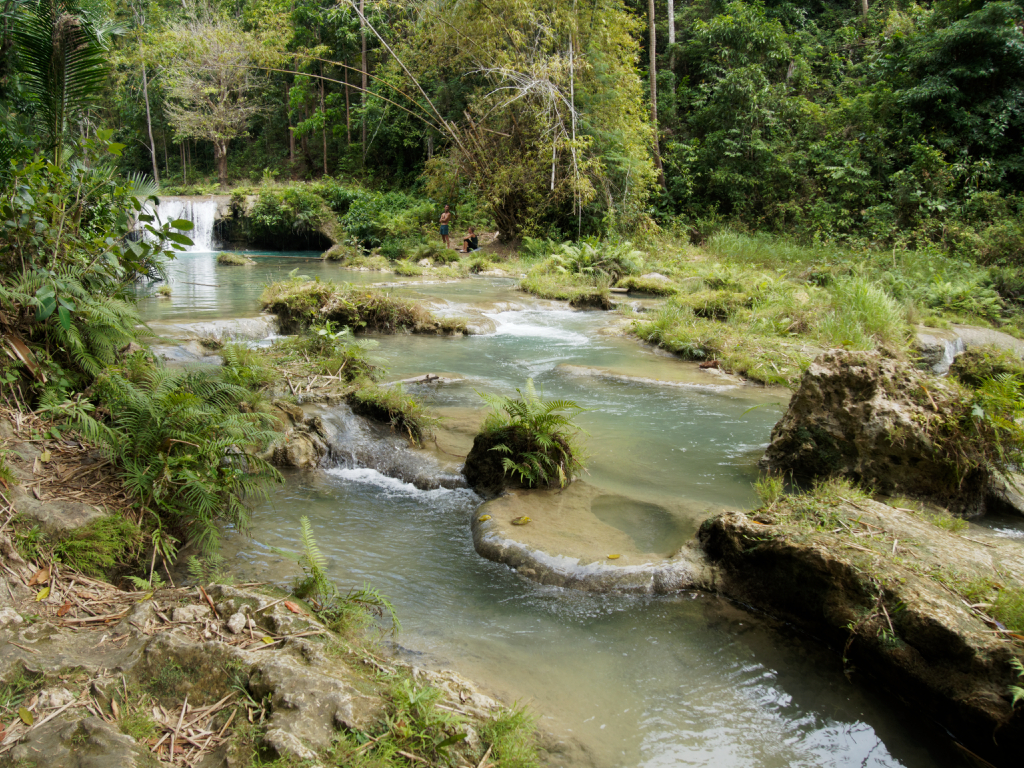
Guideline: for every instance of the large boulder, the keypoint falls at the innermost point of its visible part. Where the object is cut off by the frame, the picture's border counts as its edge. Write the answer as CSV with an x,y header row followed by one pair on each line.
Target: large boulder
x,y
874,419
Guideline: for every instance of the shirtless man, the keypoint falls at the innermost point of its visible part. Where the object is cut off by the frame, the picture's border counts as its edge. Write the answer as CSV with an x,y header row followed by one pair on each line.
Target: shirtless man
x,y
446,217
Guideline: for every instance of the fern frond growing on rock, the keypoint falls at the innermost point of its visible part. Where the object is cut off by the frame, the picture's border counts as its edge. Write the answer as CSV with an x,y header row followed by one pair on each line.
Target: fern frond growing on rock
x,y
532,441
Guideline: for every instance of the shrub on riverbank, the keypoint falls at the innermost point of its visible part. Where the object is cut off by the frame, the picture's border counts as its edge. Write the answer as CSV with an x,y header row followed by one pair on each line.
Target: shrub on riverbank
x,y
300,302
178,439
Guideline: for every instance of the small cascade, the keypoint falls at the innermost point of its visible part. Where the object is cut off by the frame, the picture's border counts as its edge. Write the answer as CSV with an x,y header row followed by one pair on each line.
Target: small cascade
x,y
202,214
953,348
359,443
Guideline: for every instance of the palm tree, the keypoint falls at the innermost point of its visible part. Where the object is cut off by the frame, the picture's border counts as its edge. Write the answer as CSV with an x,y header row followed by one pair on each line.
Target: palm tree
x,y
61,46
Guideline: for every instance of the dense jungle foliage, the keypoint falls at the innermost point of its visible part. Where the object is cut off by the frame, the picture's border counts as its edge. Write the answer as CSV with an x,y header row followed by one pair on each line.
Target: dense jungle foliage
x,y
890,123
579,130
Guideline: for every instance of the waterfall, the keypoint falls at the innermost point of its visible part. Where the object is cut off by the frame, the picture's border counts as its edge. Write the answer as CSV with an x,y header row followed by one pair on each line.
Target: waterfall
x,y
953,348
201,213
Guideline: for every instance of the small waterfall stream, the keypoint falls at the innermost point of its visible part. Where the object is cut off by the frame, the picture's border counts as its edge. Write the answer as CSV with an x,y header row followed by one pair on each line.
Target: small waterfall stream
x,y
201,213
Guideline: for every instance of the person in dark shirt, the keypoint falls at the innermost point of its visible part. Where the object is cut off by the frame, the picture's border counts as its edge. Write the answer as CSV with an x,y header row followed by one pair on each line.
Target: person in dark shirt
x,y
470,242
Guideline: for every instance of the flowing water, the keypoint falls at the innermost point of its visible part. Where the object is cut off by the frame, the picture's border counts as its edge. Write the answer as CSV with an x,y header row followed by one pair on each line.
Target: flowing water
x,y
202,214
620,680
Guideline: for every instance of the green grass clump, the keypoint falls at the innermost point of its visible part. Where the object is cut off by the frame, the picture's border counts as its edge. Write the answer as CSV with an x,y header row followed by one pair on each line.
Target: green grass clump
x,y
512,740
97,548
234,259
1009,608
768,328
299,302
649,285
393,406
372,263
433,250
406,269
818,507
578,290
14,691
950,523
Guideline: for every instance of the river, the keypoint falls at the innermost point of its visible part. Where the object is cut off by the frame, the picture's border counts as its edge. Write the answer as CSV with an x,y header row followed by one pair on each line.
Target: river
x,y
684,680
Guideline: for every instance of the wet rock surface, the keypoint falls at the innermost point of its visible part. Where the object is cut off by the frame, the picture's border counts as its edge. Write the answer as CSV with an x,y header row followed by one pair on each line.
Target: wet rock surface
x,y
860,415
883,593
553,537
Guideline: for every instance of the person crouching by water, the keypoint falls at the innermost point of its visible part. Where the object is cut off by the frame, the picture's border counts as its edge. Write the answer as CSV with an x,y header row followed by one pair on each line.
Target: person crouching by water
x,y
446,217
470,242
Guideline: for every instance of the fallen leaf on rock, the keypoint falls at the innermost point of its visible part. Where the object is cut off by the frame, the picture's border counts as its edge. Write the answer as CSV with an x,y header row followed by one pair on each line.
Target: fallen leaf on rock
x,y
43,594
292,607
614,557
521,520
483,518
266,640
26,716
44,456
40,577
64,608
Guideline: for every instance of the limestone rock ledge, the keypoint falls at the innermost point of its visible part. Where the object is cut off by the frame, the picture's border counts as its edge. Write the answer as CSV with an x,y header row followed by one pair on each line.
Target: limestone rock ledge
x,y
239,646
883,592
565,545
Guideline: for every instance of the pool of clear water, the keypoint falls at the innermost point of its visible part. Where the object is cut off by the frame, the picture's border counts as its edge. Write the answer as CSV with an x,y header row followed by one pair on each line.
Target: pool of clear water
x,y
621,680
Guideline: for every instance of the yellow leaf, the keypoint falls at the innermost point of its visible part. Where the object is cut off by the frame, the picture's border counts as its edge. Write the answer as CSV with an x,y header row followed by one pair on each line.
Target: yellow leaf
x,y
521,520
483,518
42,594
44,456
266,640
614,557
25,715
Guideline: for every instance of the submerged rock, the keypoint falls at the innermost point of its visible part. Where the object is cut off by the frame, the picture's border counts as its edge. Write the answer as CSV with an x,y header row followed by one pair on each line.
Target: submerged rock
x,y
868,418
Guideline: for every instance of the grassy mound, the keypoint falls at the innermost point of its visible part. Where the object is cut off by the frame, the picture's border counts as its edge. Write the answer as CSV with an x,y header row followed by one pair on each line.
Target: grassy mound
x,y
234,260
299,303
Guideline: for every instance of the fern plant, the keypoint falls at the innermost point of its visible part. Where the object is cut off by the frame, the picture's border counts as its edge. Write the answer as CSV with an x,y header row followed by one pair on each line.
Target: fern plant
x,y
539,438
1015,690
179,440
340,612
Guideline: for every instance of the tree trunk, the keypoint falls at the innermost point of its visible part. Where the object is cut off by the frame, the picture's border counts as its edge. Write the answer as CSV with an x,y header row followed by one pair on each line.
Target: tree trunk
x,y
348,118
672,34
864,8
323,110
149,123
362,35
220,154
653,74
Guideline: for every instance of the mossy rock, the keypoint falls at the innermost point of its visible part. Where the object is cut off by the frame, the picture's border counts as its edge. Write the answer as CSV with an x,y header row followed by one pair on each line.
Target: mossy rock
x,y
227,259
597,299
985,362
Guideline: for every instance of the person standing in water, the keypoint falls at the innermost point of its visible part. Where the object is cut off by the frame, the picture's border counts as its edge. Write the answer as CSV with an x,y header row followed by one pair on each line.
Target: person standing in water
x,y
446,217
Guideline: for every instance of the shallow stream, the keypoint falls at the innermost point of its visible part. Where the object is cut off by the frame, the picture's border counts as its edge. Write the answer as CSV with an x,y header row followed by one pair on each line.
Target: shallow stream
x,y
622,681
